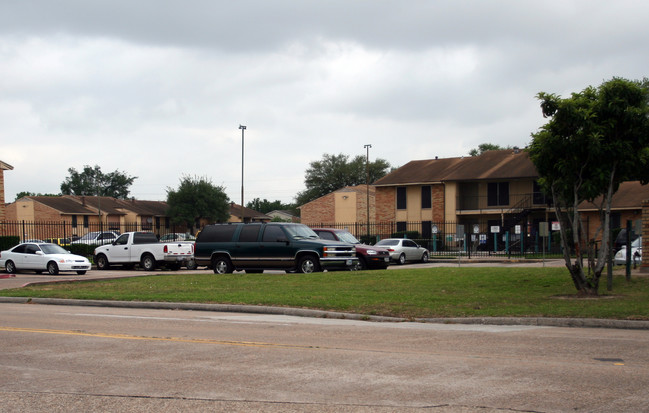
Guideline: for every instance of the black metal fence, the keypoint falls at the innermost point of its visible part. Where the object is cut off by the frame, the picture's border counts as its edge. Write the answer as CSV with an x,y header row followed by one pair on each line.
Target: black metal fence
x,y
452,239
440,238
63,232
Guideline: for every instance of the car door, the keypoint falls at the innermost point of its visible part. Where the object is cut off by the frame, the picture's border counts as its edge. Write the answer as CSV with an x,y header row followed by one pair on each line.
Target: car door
x,y
34,259
274,249
120,252
411,249
246,248
17,255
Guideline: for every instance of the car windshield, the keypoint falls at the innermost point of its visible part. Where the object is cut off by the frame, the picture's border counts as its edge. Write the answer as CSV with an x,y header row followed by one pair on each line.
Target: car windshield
x,y
53,249
347,237
300,231
388,242
89,236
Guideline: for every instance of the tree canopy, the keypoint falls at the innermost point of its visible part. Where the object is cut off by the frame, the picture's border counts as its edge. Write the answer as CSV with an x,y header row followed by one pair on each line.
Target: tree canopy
x,y
264,206
334,172
594,140
27,193
196,198
484,147
92,181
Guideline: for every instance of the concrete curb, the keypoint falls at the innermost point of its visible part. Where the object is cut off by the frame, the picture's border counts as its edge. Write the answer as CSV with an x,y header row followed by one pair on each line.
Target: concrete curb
x,y
304,312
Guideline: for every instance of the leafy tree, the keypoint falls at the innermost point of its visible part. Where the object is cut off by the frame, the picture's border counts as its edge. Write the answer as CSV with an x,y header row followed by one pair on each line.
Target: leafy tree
x,y
92,181
333,172
197,198
27,193
594,140
484,147
264,206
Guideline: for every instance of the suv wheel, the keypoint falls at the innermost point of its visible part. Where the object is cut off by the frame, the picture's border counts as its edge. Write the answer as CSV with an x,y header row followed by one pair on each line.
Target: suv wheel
x,y
308,264
222,265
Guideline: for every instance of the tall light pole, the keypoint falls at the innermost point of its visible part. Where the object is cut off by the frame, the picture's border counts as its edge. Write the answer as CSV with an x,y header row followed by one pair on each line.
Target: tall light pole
x,y
367,187
243,128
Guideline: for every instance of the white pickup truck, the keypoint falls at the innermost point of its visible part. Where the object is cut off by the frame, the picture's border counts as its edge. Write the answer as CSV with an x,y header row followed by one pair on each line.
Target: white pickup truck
x,y
143,248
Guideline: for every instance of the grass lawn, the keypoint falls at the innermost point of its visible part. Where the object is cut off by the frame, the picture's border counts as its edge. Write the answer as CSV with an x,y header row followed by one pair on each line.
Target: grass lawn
x,y
409,293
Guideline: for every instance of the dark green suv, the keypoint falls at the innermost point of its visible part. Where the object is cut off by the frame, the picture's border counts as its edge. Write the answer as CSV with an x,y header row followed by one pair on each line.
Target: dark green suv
x,y
272,246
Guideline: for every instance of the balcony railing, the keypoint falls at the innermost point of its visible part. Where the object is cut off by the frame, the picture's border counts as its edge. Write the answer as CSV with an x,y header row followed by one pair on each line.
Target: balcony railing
x,y
516,202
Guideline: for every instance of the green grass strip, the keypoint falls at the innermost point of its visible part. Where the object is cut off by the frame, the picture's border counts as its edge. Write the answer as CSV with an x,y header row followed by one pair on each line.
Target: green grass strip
x,y
409,293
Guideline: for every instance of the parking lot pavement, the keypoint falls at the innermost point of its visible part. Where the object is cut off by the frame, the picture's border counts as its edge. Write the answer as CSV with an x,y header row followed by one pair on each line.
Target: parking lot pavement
x,y
8,281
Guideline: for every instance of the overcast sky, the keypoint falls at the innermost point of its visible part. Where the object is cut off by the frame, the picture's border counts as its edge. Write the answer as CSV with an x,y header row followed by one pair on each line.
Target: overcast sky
x,y
157,89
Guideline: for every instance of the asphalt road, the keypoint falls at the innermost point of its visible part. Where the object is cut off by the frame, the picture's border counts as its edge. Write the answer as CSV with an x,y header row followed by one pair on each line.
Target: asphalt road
x,y
62,359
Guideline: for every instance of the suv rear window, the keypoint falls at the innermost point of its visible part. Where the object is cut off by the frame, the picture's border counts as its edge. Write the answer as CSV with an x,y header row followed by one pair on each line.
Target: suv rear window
x,y
217,233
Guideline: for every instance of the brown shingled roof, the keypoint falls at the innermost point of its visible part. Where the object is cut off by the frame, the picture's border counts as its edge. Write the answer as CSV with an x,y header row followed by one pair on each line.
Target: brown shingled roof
x,y
108,205
628,196
153,208
64,205
492,165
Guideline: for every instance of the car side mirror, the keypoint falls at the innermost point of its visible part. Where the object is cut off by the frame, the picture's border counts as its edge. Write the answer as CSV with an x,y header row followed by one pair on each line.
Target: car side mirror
x,y
39,253
285,240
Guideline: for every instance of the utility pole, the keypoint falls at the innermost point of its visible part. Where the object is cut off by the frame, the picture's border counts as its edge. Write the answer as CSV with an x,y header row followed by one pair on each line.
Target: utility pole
x,y
367,187
243,128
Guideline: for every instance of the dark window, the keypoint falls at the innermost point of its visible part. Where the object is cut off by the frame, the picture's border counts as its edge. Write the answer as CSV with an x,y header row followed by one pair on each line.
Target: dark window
x,y
31,249
85,221
326,235
142,238
497,193
167,221
157,222
538,197
249,233
217,233
401,226
74,221
122,240
273,233
426,229
616,220
19,249
426,197
401,197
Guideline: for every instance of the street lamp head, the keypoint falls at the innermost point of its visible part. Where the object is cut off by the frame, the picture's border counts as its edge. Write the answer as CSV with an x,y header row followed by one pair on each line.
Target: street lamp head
x,y
242,127
369,145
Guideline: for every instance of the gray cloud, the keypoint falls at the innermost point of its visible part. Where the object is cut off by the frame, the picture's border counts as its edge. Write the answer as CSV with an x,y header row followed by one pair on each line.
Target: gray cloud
x,y
158,88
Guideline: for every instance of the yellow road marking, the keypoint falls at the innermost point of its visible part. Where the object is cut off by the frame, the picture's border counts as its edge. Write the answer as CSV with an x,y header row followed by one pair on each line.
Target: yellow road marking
x,y
169,339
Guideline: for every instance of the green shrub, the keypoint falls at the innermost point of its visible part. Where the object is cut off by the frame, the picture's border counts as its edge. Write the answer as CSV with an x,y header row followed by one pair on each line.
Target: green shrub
x,y
8,241
81,249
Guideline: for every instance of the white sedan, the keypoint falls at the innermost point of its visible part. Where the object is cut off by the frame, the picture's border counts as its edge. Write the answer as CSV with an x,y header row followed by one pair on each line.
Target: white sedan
x,y
41,257
636,253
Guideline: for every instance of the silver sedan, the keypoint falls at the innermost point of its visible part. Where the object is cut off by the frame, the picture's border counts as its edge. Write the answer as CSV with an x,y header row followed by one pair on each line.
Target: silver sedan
x,y
403,250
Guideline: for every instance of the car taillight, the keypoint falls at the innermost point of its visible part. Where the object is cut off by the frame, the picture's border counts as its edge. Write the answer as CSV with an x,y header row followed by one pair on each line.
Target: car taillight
x,y
166,249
